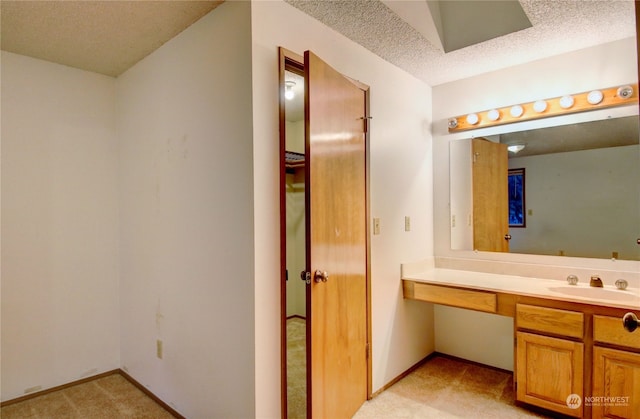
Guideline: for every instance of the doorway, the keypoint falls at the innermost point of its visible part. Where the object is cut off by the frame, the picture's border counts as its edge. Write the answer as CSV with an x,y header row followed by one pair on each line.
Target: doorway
x,y
324,239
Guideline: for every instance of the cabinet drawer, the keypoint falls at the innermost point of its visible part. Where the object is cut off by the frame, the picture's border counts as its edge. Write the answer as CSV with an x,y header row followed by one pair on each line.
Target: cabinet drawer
x,y
474,300
609,330
550,320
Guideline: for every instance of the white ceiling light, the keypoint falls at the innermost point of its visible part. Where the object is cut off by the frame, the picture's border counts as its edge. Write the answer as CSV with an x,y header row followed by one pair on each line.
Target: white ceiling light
x,y
473,118
493,115
515,148
288,89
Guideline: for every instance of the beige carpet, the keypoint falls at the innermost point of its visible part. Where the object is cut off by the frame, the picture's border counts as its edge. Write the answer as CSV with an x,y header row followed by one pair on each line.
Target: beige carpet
x,y
296,368
440,388
448,388
111,397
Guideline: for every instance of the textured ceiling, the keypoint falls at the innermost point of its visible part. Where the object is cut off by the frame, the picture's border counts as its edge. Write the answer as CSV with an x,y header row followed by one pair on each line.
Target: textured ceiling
x,y
110,36
557,27
105,37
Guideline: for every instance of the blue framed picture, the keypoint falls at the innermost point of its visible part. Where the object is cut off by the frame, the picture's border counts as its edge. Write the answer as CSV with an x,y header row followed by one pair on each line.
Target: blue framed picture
x,y
517,215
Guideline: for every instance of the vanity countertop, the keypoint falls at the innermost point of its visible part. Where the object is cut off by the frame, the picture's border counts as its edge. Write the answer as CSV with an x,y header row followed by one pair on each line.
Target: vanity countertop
x,y
609,296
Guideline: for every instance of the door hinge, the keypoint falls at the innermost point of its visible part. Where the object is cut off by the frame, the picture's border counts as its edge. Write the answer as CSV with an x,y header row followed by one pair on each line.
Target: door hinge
x,y
366,119
367,350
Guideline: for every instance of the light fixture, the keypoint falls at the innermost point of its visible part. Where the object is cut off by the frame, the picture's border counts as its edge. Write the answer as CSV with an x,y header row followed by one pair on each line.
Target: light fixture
x,y
566,101
594,97
493,115
516,111
540,106
621,95
625,92
515,148
288,89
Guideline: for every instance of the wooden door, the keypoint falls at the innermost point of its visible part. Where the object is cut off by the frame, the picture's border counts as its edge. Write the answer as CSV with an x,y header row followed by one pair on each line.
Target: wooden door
x,y
616,378
490,195
336,241
550,373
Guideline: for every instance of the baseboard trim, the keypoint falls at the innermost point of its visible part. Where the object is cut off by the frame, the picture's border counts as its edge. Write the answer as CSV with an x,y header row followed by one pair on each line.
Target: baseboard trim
x,y
152,396
57,388
404,374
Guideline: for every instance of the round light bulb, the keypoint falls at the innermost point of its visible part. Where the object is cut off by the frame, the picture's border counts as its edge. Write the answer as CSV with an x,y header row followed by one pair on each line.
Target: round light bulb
x,y
493,115
540,106
566,101
516,111
595,97
288,94
453,123
625,92
473,118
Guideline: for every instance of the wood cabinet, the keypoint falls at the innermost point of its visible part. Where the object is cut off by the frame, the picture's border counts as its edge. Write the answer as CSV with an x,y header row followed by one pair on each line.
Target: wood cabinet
x,y
550,369
571,358
616,372
549,373
616,384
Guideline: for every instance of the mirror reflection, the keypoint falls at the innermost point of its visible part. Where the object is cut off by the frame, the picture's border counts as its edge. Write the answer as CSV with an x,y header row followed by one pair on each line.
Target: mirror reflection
x,y
579,191
296,308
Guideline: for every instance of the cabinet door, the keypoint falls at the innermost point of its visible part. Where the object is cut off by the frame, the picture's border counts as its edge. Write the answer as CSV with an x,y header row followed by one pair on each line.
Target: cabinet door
x,y
550,373
616,384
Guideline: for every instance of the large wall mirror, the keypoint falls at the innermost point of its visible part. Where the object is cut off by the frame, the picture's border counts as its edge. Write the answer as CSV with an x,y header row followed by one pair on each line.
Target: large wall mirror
x,y
577,193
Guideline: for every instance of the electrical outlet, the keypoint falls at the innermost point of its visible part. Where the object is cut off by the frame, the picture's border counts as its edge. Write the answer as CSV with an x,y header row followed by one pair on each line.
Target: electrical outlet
x,y
159,351
407,223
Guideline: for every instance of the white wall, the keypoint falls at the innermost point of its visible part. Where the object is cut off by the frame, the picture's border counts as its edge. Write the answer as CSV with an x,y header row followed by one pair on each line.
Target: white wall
x,y
598,67
59,225
186,203
401,185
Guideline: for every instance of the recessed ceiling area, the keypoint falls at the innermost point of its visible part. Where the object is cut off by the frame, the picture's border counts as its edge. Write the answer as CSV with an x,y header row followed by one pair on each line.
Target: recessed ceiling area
x,y
105,37
464,23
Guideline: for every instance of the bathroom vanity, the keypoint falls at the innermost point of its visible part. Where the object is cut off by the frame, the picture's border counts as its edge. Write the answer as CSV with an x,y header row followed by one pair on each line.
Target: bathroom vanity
x,y
572,354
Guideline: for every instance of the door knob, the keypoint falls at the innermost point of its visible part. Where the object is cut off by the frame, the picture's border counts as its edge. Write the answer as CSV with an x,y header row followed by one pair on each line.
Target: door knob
x,y
507,237
630,322
320,276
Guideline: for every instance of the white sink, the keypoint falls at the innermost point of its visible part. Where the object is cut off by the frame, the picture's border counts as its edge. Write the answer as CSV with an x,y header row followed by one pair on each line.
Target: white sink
x,y
597,293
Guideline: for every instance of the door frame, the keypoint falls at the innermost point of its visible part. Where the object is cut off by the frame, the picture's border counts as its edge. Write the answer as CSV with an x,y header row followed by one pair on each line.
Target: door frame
x,y
290,61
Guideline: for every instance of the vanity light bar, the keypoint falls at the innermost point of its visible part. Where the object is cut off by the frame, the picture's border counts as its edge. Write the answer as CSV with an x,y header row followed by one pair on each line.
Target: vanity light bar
x,y
581,102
